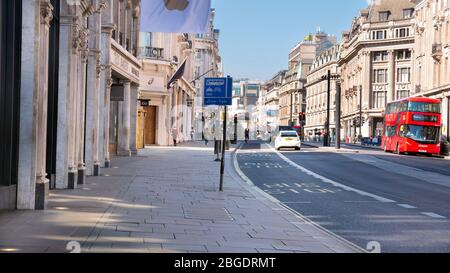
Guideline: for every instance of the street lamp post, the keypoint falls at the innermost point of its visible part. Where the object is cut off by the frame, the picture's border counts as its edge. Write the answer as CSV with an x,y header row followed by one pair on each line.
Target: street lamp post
x,y
338,116
328,77
326,139
360,113
291,120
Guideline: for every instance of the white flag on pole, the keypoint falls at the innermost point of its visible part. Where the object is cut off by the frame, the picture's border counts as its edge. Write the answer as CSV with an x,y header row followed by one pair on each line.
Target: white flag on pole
x,y
177,16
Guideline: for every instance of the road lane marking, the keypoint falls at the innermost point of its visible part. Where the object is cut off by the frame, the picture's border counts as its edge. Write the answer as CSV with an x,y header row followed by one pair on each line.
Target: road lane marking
x,y
433,215
361,202
406,206
329,181
296,214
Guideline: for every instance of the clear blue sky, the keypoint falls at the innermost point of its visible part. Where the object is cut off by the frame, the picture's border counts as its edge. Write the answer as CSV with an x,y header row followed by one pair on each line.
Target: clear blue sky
x,y
256,35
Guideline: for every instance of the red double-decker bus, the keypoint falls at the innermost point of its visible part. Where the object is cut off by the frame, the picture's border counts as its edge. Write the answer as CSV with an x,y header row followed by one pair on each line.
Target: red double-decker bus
x,y
412,126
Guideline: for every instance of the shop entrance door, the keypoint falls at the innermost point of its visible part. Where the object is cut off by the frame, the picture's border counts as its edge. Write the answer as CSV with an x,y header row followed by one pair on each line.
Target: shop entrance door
x,y
113,127
150,126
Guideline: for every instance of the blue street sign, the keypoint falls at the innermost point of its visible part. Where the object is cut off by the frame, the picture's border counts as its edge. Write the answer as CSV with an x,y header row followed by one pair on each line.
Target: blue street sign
x,y
218,91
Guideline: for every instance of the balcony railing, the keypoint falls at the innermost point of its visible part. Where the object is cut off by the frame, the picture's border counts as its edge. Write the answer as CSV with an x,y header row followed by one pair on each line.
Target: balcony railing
x,y
151,52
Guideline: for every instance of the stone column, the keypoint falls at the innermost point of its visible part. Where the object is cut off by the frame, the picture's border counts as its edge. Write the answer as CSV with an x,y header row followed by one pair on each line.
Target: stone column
x,y
391,77
72,126
124,122
42,183
64,95
133,118
107,21
92,114
367,83
93,98
122,21
81,113
26,186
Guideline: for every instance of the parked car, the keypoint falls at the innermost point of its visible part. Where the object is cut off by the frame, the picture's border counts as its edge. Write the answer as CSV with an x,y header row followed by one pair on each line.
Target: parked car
x,y
288,139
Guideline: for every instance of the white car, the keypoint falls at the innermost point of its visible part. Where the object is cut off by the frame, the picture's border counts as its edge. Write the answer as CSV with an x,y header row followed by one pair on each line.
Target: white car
x,y
288,139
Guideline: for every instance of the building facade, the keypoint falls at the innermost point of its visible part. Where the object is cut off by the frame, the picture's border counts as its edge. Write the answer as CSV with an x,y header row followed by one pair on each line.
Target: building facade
x,y
292,104
165,107
270,102
179,106
67,57
246,94
431,55
317,92
376,65
207,63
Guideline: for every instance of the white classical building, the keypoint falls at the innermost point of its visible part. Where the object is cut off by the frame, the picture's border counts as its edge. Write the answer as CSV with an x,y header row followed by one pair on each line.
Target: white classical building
x,y
432,53
73,94
317,92
165,107
270,100
376,65
292,104
207,63
179,106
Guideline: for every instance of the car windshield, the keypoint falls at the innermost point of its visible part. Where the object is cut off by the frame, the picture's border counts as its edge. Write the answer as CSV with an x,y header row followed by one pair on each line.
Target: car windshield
x,y
424,107
289,134
423,133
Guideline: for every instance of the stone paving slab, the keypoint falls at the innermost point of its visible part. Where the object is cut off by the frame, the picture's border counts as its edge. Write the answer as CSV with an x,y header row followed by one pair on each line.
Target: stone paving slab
x,y
164,200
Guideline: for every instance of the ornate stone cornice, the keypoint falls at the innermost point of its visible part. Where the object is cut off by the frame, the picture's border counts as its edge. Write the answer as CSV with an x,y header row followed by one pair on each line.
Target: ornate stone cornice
x,y
46,13
102,6
98,55
83,38
75,37
107,69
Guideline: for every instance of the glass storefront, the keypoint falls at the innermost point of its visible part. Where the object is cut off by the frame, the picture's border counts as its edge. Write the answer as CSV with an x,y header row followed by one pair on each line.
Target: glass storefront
x,y
10,38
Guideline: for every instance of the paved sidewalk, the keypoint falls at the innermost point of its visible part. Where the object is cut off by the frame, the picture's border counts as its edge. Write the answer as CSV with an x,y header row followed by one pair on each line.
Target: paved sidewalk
x,y
164,200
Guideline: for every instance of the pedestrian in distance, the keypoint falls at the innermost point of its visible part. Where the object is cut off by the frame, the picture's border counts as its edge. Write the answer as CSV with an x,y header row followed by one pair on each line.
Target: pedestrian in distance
x,y
192,133
247,135
174,135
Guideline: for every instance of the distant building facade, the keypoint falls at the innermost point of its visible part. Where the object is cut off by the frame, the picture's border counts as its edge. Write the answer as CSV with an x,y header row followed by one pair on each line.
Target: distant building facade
x,y
270,102
246,94
376,65
317,91
292,104
431,55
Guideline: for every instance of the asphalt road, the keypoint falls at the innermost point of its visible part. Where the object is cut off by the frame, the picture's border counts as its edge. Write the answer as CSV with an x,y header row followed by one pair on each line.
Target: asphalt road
x,y
406,208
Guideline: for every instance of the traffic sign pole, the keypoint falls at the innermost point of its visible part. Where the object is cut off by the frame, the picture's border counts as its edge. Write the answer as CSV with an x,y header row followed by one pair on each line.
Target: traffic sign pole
x,y
218,91
222,165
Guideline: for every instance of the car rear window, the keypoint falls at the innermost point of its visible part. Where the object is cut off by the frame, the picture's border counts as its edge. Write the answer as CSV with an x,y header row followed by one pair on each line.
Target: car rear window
x,y
289,134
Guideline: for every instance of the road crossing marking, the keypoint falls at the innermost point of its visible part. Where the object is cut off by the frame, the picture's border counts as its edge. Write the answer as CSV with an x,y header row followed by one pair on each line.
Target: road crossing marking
x,y
329,181
406,206
433,215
